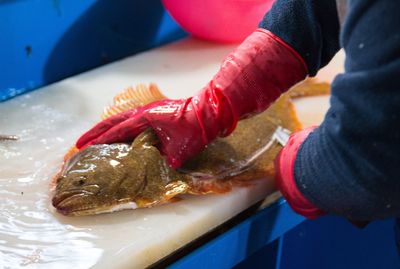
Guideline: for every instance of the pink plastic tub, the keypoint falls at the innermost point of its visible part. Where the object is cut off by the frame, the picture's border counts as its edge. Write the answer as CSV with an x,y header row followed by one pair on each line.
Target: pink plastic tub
x,y
226,21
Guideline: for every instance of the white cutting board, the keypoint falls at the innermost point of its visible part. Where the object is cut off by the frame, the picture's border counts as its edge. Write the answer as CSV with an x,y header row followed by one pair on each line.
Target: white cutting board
x,y
48,122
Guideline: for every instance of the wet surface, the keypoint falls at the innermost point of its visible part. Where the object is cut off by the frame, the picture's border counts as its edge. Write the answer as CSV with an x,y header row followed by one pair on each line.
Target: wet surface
x,y
48,121
30,235
33,235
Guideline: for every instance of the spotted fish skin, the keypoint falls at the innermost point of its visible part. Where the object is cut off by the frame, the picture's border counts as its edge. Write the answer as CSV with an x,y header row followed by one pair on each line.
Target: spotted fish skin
x,y
107,178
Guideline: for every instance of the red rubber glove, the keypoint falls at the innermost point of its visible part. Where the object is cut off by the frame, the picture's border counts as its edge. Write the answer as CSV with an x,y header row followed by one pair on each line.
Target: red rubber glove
x,y
284,167
249,80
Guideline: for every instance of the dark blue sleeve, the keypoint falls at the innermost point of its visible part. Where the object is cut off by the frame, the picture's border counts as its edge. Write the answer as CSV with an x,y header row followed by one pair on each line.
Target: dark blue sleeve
x,y
311,27
350,165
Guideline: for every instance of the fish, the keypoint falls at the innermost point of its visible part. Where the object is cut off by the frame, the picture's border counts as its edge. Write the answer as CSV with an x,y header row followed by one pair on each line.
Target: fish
x,y
111,177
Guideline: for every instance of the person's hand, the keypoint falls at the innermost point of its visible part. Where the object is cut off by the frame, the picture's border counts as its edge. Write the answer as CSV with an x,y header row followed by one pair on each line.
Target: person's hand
x,y
249,80
284,175
183,126
284,167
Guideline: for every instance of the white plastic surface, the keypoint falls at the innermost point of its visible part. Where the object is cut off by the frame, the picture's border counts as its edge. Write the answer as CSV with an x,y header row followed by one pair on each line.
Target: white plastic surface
x,y
48,122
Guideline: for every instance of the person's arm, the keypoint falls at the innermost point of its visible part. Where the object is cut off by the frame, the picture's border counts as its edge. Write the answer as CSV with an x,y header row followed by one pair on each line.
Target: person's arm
x,y
296,38
349,166
310,27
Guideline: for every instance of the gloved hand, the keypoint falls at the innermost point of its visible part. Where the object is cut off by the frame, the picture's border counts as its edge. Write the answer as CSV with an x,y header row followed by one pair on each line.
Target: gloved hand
x,y
284,175
284,167
249,80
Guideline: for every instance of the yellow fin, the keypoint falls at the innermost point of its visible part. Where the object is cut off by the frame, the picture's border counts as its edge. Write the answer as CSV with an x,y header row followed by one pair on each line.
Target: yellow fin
x,y
133,97
309,87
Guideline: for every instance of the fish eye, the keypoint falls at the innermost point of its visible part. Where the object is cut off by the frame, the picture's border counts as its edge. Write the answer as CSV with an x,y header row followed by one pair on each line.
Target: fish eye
x,y
79,182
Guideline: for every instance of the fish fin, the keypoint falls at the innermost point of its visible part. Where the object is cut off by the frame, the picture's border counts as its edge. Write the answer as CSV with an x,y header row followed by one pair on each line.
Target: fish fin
x,y
175,188
296,124
53,181
290,120
309,87
170,193
208,186
130,98
133,97
71,152
220,186
175,199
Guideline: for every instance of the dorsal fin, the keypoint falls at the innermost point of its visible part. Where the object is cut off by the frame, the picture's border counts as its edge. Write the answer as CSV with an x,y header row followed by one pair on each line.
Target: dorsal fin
x,y
128,99
133,97
309,87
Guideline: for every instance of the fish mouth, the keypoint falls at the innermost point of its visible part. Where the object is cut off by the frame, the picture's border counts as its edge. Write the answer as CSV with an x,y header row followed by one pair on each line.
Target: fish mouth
x,y
77,203
70,202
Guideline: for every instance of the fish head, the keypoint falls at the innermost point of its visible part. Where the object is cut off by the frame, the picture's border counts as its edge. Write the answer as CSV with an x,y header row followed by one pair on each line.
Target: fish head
x,y
99,179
